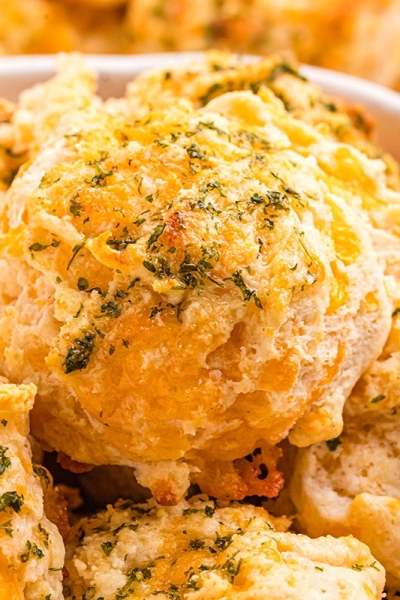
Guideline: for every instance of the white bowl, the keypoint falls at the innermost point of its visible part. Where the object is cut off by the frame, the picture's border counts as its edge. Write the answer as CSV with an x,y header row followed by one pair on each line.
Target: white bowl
x,y
20,72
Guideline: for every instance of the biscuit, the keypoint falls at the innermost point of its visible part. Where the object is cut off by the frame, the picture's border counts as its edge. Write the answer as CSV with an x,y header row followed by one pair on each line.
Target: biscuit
x,y
191,286
32,551
198,549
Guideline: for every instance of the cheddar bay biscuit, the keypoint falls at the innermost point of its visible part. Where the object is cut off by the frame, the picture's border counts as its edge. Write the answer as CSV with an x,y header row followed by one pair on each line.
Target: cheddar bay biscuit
x,y
198,549
32,551
350,484
192,285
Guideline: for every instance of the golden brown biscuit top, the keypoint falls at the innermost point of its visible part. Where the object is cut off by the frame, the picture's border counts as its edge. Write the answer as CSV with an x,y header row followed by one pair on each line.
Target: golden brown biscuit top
x,y
200,550
203,282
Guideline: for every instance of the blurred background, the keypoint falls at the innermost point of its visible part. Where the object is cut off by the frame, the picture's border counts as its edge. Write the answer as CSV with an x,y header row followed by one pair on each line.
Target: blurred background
x,y
361,37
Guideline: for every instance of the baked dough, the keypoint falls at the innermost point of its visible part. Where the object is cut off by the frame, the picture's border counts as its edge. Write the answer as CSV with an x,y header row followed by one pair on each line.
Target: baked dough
x,y
32,551
199,550
350,484
190,286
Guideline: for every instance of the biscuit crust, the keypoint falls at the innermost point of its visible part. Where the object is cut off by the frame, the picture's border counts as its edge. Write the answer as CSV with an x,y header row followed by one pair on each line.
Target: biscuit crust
x,y
190,285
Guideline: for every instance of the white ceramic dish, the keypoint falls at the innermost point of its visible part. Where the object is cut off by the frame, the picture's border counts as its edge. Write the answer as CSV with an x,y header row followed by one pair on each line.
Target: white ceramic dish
x,y
20,72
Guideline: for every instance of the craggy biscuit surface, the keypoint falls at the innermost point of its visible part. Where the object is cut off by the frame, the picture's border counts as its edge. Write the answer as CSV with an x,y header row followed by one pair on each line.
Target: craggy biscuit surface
x,y
190,286
350,484
199,550
217,72
32,551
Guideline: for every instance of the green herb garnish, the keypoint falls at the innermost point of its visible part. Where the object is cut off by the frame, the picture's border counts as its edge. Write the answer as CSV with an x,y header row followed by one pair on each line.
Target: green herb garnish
x,y
79,354
5,462
333,443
